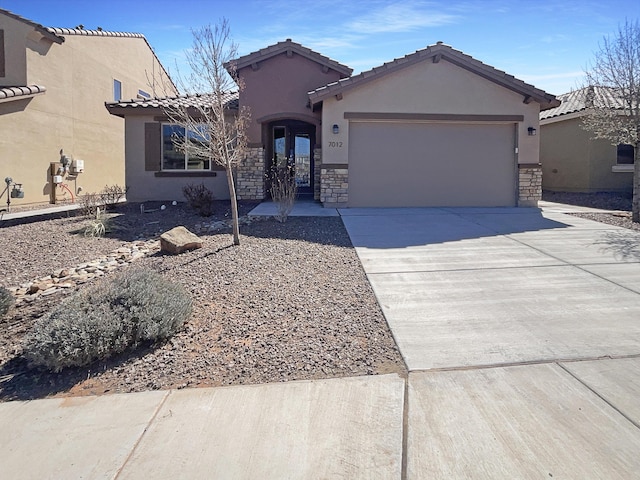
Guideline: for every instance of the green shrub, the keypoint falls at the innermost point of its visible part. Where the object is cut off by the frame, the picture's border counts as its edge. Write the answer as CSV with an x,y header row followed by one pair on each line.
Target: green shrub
x,y
199,198
118,314
99,226
6,301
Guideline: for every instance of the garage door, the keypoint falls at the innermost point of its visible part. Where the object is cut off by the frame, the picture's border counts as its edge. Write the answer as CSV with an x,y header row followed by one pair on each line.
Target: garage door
x,y
396,164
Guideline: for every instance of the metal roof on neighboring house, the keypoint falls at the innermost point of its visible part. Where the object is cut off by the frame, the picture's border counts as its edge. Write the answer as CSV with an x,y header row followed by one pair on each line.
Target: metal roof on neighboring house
x,y
40,28
288,46
144,106
16,93
576,101
438,52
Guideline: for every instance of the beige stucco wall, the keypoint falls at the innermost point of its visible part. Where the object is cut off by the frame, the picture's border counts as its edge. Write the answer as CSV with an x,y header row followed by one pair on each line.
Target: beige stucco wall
x,y
435,88
145,185
78,75
573,162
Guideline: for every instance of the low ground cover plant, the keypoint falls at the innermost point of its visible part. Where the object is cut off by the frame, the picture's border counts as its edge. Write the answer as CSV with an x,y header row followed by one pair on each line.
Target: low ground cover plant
x,y
134,307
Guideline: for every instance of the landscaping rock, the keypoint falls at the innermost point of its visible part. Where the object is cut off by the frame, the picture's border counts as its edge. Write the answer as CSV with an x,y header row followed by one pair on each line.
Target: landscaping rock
x,y
178,240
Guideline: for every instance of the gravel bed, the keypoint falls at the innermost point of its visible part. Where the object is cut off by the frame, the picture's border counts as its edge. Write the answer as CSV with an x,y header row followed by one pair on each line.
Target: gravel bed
x,y
621,202
291,302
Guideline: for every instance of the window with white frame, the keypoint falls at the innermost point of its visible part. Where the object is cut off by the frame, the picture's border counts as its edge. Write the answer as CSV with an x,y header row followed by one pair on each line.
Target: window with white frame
x,y
117,90
175,158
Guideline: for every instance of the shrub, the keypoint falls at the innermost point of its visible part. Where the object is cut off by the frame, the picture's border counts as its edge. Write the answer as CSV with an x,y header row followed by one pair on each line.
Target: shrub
x,y
110,195
132,308
89,203
284,189
199,198
6,301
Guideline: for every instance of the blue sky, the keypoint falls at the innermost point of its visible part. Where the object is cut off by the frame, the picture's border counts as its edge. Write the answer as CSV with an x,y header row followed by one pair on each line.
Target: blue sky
x,y
547,43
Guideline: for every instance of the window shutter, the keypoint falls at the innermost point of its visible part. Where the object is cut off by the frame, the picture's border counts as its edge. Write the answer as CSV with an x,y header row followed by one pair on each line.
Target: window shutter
x,y
152,147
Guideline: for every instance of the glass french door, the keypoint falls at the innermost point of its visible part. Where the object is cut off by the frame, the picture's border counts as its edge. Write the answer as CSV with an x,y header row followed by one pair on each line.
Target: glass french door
x,y
293,148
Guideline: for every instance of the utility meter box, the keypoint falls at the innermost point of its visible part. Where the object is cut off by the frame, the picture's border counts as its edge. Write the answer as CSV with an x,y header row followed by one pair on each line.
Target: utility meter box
x,y
57,179
17,192
77,166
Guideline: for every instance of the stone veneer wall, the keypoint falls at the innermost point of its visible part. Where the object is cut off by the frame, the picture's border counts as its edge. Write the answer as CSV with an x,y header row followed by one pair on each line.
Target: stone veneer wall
x,y
317,164
250,175
334,185
529,185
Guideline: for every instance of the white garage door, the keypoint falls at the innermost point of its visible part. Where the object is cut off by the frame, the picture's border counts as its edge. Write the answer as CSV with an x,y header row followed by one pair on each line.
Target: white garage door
x,y
396,164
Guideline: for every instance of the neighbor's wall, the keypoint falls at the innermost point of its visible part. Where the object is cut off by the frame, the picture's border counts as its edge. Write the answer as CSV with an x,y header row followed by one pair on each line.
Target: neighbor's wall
x,y
573,162
71,115
438,88
147,185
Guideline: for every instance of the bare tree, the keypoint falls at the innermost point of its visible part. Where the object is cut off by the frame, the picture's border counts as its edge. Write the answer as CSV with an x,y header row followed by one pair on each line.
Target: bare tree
x,y
613,96
214,127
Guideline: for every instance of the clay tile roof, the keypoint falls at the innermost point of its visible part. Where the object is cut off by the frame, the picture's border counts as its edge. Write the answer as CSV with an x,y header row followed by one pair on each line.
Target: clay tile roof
x,y
436,53
181,101
93,33
289,46
16,93
40,28
576,101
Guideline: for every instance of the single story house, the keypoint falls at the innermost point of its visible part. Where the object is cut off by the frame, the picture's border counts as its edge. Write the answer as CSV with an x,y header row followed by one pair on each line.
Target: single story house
x,y
434,128
53,85
572,161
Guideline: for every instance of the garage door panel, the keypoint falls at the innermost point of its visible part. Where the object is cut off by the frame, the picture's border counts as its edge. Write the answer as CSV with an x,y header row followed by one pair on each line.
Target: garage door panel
x,y
416,164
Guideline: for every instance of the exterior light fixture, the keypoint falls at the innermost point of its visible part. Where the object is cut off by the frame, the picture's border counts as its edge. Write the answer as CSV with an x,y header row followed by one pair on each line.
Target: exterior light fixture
x,y
336,128
532,131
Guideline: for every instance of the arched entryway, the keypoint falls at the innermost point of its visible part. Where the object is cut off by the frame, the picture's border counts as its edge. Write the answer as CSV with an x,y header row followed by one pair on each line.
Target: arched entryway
x,y
290,144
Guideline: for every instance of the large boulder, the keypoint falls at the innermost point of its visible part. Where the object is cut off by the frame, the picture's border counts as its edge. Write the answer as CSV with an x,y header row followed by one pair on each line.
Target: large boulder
x,y
178,240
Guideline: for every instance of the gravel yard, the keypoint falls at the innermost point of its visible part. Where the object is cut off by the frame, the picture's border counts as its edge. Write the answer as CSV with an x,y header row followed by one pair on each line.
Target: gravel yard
x,y
291,302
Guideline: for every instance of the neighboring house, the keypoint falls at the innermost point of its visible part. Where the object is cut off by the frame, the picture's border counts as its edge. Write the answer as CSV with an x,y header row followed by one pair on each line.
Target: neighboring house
x,y
434,128
53,85
572,161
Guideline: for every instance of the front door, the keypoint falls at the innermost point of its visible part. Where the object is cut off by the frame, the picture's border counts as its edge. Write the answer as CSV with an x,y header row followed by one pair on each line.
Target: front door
x,y
292,146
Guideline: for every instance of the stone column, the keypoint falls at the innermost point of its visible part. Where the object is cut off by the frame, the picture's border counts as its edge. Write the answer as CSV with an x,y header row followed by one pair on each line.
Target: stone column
x,y
317,164
529,184
250,175
334,185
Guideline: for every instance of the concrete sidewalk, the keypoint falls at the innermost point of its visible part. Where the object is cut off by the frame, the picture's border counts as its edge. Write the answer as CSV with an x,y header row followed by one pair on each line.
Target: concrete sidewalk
x,y
340,428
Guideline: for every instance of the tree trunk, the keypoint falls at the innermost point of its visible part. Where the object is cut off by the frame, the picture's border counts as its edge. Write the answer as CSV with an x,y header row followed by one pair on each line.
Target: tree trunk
x,y
635,203
234,205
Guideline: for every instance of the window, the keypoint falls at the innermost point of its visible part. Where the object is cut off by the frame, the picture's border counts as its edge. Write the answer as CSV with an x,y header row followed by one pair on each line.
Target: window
x,y
625,154
117,90
173,158
143,95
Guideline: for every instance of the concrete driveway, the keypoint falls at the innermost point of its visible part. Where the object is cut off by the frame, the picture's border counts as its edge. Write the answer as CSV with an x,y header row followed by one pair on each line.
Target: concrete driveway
x,y
521,331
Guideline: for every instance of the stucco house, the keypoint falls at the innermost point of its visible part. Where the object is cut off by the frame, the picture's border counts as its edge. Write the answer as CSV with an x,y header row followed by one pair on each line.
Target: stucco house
x,y
434,128
53,85
572,161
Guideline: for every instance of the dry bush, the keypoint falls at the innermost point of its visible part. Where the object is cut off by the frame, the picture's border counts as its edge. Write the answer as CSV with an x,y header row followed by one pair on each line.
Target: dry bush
x,y
200,198
132,308
6,301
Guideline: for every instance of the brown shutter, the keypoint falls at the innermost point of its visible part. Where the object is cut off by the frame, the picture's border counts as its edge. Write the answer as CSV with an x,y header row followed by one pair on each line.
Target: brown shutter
x,y
2,73
152,147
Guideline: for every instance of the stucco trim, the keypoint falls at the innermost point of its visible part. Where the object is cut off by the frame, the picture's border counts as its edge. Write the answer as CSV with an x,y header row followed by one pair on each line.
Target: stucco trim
x,y
186,174
335,165
288,116
437,117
